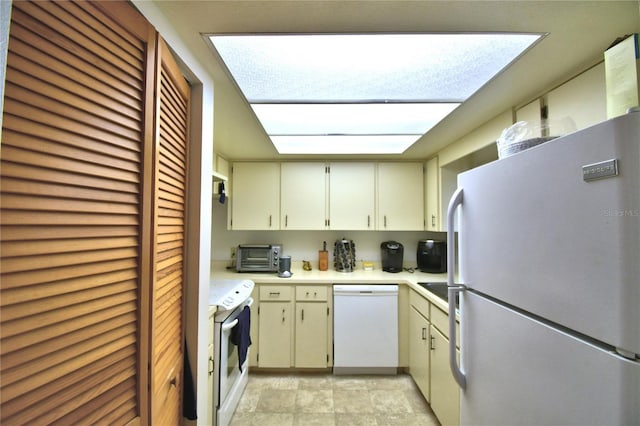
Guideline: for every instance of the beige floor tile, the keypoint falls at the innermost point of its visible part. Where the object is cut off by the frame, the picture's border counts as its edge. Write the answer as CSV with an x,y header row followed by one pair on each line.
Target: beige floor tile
x,y
406,419
353,419
352,401
350,383
276,401
314,401
390,401
313,381
327,400
249,400
314,419
263,419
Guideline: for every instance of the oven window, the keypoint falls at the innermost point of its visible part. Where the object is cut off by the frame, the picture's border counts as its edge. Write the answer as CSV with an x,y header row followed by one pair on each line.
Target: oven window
x,y
232,359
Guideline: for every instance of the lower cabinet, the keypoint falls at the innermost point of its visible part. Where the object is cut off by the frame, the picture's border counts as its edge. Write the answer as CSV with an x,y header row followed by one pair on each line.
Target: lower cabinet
x,y
275,319
419,352
445,395
429,359
294,327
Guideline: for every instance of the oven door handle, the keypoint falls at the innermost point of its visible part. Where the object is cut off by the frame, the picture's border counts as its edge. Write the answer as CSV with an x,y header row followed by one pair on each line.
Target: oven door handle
x,y
229,326
233,323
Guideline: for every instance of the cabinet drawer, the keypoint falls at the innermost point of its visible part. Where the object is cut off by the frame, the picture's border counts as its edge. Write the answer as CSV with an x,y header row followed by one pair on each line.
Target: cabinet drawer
x,y
311,293
420,303
275,292
441,321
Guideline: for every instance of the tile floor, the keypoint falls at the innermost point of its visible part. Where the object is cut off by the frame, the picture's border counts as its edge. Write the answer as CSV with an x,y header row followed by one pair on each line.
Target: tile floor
x,y
326,400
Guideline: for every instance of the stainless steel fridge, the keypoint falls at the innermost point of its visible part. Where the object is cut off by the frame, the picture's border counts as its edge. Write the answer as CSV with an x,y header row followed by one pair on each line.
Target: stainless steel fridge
x,y
549,280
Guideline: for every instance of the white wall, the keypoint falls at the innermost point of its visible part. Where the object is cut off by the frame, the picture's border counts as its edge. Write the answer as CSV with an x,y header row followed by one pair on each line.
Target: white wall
x,y
304,245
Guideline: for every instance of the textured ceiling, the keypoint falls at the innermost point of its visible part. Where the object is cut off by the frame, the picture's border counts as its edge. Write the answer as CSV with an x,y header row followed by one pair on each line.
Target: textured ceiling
x,y
578,34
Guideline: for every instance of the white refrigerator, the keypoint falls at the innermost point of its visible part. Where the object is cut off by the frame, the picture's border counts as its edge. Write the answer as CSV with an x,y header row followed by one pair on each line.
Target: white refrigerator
x,y
549,280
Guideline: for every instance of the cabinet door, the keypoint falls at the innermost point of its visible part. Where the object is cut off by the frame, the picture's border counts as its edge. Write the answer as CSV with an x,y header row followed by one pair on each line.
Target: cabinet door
x,y
419,351
275,335
445,398
303,191
255,196
400,197
311,335
352,196
432,196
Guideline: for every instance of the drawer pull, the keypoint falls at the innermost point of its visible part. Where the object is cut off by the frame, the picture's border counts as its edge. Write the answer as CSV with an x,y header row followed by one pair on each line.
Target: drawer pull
x,y
274,293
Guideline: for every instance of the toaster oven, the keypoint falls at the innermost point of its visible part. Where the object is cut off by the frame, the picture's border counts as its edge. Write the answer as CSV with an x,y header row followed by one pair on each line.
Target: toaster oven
x,y
258,257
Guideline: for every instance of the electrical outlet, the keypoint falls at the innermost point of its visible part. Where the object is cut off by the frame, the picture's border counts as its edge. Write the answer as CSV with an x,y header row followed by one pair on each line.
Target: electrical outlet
x,y
232,253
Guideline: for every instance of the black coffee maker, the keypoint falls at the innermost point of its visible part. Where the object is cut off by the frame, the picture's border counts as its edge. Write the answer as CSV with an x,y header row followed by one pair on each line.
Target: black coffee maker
x,y
432,256
392,253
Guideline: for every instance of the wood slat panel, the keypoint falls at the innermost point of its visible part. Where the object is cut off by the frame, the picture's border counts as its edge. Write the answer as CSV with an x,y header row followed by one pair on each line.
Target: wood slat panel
x,y
169,211
29,172
77,133
17,233
51,331
71,46
64,63
48,161
68,389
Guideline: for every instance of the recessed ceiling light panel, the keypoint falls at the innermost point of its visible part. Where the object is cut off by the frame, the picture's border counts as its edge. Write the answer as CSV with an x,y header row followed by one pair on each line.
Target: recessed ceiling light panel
x,y
322,84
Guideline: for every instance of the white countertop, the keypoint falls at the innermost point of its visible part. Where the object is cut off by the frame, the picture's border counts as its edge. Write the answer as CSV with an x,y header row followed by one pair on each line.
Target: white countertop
x,y
359,276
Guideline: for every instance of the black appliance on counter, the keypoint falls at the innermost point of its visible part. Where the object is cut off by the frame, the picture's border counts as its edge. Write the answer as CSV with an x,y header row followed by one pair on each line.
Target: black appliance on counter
x,y
392,254
432,256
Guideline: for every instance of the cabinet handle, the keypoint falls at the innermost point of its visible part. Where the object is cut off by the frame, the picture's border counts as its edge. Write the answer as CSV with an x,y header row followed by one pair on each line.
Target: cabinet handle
x,y
269,221
433,220
432,345
368,221
274,293
424,333
385,220
302,311
283,315
210,365
286,220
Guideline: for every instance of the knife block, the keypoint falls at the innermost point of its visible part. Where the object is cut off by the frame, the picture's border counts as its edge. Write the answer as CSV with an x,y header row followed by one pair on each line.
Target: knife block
x,y
323,260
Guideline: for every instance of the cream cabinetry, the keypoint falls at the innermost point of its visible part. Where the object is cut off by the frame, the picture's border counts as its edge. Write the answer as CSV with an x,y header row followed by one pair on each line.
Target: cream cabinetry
x,y
294,326
312,327
419,351
255,196
432,196
429,358
275,333
303,192
400,197
352,196
445,397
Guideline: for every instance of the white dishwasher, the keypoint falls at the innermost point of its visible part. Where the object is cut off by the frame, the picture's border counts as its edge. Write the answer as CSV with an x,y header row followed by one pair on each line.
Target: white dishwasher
x,y
365,329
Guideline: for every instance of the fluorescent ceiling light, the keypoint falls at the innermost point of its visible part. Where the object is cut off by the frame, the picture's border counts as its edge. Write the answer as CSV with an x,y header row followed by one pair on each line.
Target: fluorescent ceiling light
x,y
344,144
365,84
363,119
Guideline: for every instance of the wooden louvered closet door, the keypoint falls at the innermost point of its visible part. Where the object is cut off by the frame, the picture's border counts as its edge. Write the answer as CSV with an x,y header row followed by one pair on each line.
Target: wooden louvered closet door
x,y
76,192
167,335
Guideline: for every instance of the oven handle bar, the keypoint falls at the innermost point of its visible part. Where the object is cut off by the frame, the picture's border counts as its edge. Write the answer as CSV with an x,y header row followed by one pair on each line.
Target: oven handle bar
x,y
233,323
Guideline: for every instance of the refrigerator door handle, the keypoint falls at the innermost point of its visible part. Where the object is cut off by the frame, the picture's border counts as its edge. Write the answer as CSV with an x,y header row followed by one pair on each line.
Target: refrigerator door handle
x,y
456,200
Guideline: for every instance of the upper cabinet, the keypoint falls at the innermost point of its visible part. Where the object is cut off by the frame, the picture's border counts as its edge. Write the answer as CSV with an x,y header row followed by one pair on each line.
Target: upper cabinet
x,y
352,196
318,196
303,192
432,196
400,197
255,200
